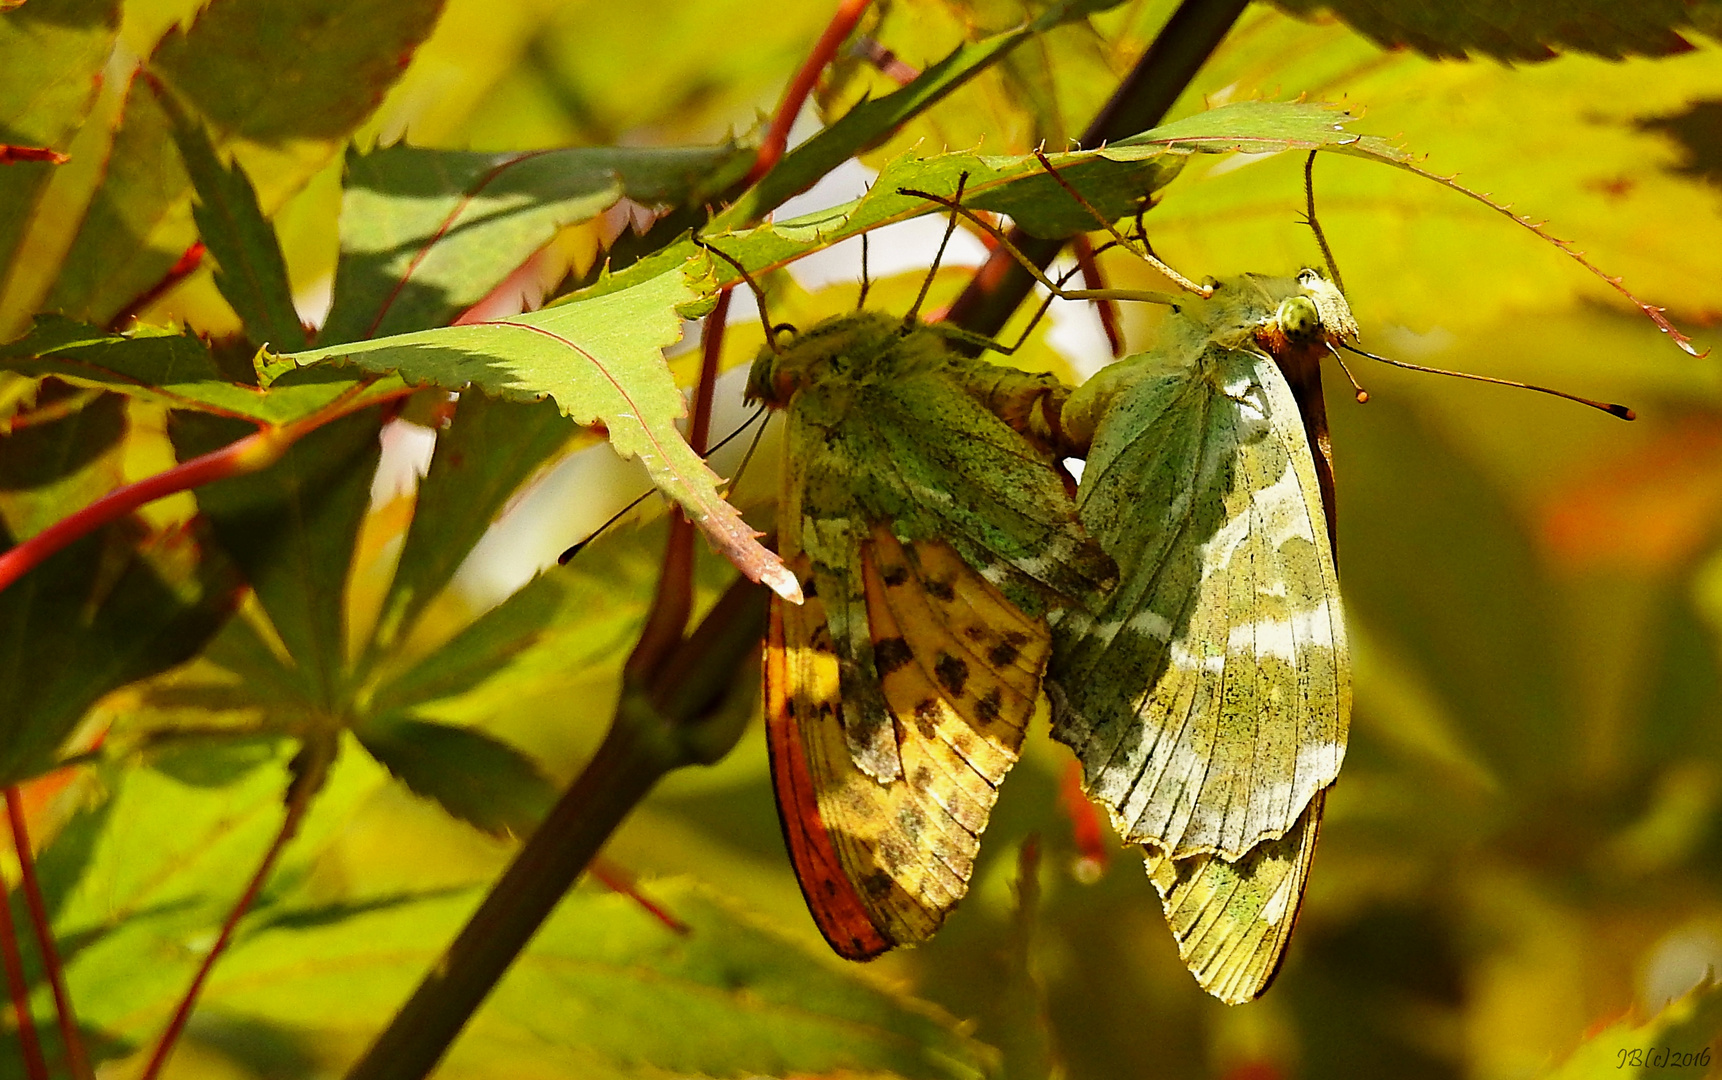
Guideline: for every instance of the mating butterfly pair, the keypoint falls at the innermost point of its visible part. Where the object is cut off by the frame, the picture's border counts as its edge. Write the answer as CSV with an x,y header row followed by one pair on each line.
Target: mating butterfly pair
x,y
1179,618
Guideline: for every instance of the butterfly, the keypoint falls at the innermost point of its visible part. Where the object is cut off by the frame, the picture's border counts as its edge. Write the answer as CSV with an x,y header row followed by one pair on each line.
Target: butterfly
x,y
923,514
1208,696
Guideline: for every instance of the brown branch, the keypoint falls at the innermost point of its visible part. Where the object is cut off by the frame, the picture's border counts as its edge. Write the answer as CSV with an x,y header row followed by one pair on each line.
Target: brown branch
x,y
1141,101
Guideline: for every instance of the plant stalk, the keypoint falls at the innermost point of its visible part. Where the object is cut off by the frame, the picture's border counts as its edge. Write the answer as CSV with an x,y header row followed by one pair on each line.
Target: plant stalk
x,y
1142,100
77,1059
655,731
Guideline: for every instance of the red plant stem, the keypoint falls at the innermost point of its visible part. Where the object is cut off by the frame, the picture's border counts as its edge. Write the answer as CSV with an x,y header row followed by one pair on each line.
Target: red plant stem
x,y
296,807
247,455
674,602
1105,307
795,96
711,352
77,1060
178,272
35,1066
618,880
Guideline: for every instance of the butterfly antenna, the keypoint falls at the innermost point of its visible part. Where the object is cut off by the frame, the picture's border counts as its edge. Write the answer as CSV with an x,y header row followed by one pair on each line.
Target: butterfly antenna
x,y
1613,410
1141,252
578,546
866,281
1315,225
758,294
735,481
932,271
1361,394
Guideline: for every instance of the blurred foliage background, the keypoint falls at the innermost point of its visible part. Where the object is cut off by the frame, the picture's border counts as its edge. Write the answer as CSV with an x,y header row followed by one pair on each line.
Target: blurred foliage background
x,y
1525,849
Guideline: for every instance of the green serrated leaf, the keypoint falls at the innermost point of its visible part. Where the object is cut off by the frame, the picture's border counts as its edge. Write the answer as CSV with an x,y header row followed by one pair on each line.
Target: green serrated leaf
x,y
491,447
250,271
97,614
1114,184
605,990
171,368
291,529
425,234
281,81
50,55
93,617
476,777
1520,29
601,360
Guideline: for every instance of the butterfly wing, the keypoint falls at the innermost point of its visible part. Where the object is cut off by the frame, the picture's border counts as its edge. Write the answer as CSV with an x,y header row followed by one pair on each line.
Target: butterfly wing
x,y
958,669
1232,920
1208,699
929,536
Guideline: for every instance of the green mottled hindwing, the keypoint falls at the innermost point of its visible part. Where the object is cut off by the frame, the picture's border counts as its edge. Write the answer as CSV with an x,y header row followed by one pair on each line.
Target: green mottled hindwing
x,y
1208,698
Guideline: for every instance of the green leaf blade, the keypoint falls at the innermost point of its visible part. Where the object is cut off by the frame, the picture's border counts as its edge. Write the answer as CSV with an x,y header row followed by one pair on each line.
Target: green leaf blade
x,y
602,362
250,270
426,234
51,53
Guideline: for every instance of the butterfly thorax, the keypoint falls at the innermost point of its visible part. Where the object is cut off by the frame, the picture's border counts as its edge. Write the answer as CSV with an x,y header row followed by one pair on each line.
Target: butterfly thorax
x,y
843,357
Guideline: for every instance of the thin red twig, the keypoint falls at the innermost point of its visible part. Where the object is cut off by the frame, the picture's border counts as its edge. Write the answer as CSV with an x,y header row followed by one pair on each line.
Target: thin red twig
x,y
619,880
296,808
667,622
77,1060
247,455
795,95
178,272
10,153
1105,307
35,1067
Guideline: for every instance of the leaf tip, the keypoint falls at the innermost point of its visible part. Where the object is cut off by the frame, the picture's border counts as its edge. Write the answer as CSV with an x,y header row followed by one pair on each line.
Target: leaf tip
x,y
781,580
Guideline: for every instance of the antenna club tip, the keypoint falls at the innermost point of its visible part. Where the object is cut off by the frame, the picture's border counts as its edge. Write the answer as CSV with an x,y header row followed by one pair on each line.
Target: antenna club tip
x,y
1622,411
1363,397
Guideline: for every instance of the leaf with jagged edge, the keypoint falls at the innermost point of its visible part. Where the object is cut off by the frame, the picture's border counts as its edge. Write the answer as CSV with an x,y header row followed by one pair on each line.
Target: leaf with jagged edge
x,y
281,107
50,55
1523,29
173,368
1114,180
425,233
250,271
112,608
601,359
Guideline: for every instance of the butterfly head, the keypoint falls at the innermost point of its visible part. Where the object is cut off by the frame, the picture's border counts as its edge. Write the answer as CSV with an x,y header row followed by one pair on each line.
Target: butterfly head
x,y
844,346
1315,312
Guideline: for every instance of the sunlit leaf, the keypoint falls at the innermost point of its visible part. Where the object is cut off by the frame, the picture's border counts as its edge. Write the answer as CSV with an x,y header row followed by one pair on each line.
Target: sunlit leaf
x,y
601,361
1521,29
250,271
50,54
425,234
280,104
170,368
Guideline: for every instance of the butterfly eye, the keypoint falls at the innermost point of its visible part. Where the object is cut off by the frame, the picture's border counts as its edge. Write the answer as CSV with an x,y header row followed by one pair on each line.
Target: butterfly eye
x,y
1298,317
